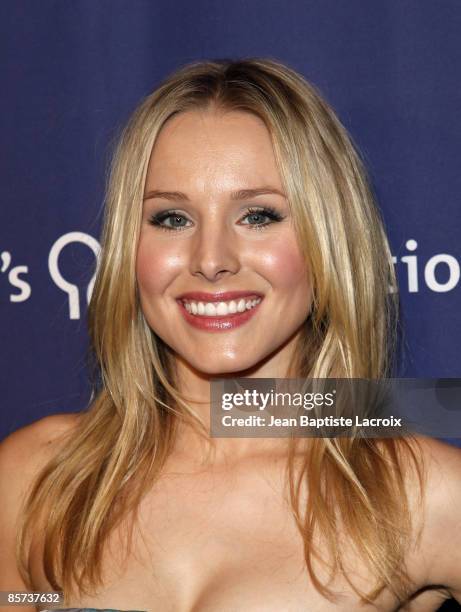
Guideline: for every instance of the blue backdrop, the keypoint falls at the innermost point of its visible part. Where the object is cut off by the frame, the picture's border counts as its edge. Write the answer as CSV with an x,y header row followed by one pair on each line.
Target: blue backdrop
x,y
73,71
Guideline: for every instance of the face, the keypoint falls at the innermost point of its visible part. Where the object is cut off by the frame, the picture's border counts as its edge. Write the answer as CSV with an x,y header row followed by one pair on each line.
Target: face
x,y
220,275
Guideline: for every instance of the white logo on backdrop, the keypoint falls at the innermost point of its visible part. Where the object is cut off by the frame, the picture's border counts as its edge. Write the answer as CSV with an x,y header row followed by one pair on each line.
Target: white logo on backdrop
x,y
432,283
71,289
13,278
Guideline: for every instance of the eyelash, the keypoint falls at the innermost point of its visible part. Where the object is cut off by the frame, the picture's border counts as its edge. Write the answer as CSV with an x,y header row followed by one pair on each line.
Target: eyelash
x,y
266,211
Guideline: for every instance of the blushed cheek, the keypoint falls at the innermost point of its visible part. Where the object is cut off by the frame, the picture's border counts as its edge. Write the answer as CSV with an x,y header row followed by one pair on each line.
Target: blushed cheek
x,y
285,266
156,269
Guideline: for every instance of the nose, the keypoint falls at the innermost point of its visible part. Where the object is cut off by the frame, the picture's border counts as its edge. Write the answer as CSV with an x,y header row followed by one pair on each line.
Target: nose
x,y
215,252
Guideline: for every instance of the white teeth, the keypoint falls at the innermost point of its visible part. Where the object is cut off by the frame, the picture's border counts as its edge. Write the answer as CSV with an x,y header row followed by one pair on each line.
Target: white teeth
x,y
241,306
222,308
210,309
219,309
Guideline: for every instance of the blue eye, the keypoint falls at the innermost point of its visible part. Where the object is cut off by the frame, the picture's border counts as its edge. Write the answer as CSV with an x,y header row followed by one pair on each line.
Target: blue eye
x,y
256,214
176,220
171,220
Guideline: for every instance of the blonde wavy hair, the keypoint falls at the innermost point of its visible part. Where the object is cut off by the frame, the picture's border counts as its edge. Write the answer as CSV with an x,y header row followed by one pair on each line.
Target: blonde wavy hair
x,y
126,434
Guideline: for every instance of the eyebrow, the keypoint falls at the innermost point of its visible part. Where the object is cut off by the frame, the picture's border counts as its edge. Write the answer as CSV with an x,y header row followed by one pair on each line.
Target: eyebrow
x,y
241,194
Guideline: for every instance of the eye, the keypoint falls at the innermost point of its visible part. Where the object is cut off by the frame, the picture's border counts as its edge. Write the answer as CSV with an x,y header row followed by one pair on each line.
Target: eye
x,y
256,216
177,220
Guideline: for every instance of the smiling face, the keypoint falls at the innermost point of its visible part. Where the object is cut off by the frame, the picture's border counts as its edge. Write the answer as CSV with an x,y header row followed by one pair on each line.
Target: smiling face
x,y
215,221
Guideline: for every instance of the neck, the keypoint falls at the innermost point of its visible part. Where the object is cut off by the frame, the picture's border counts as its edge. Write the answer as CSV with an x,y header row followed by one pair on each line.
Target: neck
x,y
195,387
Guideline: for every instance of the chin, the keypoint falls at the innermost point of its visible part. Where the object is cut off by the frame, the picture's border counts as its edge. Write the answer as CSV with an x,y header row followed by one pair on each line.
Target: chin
x,y
224,366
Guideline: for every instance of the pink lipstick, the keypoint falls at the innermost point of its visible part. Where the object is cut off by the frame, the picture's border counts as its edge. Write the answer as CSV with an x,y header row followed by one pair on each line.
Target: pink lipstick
x,y
196,310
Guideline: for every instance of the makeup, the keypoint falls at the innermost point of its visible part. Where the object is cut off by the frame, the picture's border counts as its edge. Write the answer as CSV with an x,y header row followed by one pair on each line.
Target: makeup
x,y
219,312
217,229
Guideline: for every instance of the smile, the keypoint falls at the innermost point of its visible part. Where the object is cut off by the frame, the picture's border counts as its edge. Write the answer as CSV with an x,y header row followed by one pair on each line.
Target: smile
x,y
219,315
220,309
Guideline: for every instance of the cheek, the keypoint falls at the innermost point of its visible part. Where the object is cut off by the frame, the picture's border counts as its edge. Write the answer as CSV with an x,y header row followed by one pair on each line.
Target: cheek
x,y
155,267
284,265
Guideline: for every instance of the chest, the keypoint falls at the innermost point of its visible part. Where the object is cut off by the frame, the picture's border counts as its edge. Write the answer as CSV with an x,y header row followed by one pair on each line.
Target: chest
x,y
217,541
211,541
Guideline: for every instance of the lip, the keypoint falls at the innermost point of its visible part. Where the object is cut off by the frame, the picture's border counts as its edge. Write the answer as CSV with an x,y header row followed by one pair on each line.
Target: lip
x,y
220,296
217,324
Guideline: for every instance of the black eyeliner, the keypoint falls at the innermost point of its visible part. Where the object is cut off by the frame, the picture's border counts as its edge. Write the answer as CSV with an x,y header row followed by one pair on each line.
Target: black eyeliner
x,y
266,211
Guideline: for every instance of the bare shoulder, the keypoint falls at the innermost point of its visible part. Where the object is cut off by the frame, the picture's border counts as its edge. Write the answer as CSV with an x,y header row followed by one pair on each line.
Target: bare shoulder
x,y
442,463
30,444
24,452
22,455
441,543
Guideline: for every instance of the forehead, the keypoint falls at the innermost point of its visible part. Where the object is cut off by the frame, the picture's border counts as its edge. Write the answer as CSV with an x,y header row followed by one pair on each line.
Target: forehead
x,y
213,143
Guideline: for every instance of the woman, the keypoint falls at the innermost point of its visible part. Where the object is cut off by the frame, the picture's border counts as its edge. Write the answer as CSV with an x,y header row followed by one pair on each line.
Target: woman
x,y
234,182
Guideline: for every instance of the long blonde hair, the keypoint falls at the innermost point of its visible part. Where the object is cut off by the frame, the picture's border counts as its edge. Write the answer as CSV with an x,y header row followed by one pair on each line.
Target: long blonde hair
x,y
125,436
